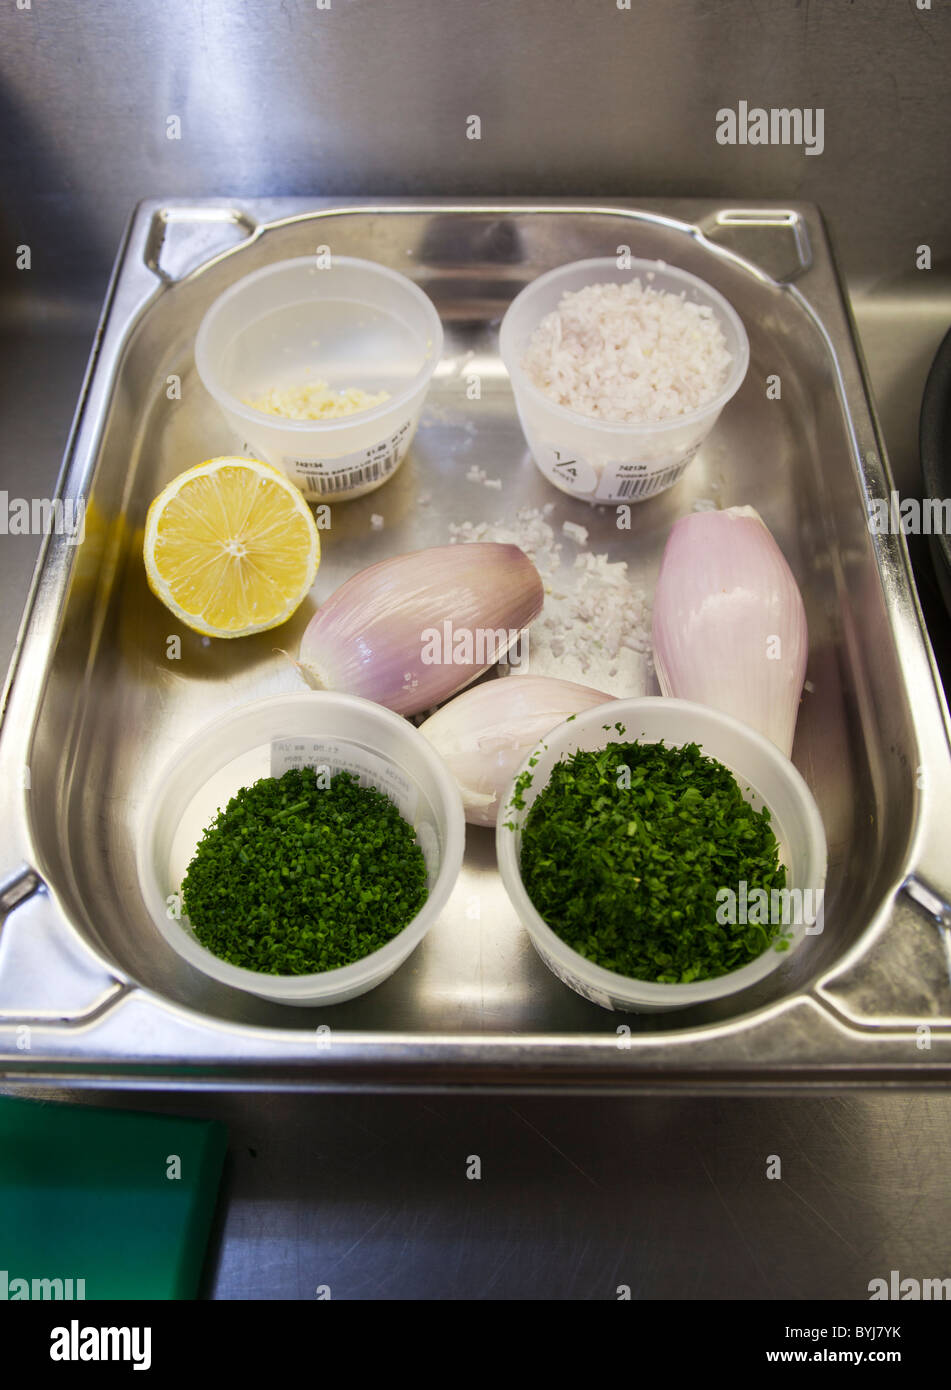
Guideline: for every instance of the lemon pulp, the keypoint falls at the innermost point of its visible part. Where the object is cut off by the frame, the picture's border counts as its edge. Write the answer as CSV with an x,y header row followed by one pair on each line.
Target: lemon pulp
x,y
231,547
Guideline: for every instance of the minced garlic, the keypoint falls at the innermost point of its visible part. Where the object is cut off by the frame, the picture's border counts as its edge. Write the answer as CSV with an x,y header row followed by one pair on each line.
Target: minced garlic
x,y
316,401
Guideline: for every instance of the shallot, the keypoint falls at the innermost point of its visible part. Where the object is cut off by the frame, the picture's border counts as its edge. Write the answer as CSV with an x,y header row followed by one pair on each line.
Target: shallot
x,y
486,733
729,625
410,631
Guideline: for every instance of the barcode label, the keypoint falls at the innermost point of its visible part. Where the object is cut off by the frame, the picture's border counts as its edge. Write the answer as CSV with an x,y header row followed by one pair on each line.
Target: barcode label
x,y
365,468
642,487
609,481
330,756
631,482
322,484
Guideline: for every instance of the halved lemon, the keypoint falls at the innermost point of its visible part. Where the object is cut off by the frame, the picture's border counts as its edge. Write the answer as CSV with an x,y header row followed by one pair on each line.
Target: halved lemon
x,y
231,547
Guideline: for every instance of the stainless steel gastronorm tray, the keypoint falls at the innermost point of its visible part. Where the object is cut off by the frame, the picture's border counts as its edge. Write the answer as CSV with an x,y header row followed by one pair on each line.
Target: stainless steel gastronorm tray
x,y
94,707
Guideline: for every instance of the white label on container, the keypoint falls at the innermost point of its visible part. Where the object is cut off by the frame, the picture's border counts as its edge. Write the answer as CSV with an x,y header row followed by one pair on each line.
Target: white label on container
x,y
337,755
362,468
566,470
632,482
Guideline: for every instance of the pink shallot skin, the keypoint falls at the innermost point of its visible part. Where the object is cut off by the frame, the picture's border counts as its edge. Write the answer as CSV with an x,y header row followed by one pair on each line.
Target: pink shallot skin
x,y
729,625
400,631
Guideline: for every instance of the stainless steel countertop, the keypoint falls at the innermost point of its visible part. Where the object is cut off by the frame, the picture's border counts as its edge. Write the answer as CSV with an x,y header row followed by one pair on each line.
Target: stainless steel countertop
x,y
369,1196
670,1196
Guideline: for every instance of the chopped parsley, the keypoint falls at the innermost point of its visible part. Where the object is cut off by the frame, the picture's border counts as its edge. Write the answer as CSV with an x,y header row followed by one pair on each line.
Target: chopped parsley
x,y
624,851
296,877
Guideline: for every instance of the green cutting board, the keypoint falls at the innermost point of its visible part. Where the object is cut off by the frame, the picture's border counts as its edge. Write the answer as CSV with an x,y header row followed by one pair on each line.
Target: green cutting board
x,y
119,1199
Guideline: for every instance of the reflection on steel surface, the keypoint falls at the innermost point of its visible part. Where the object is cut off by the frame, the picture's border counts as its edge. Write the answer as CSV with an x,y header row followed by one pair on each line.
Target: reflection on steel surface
x,y
96,709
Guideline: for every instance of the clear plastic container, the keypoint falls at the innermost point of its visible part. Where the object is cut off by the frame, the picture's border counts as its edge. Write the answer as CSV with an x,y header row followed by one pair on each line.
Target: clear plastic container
x,y
351,323
263,739
583,456
765,776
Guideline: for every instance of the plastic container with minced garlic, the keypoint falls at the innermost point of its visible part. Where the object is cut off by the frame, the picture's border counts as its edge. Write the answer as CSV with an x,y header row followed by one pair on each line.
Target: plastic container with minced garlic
x,y
322,369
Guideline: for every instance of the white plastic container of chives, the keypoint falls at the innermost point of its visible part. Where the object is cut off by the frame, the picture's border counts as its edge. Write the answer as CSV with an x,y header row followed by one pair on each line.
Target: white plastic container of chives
x,y
591,458
350,323
765,776
265,739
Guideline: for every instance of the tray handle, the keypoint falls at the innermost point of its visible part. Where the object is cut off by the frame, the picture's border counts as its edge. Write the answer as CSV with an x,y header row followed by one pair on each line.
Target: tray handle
x,y
48,974
182,237
16,885
937,908
775,239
